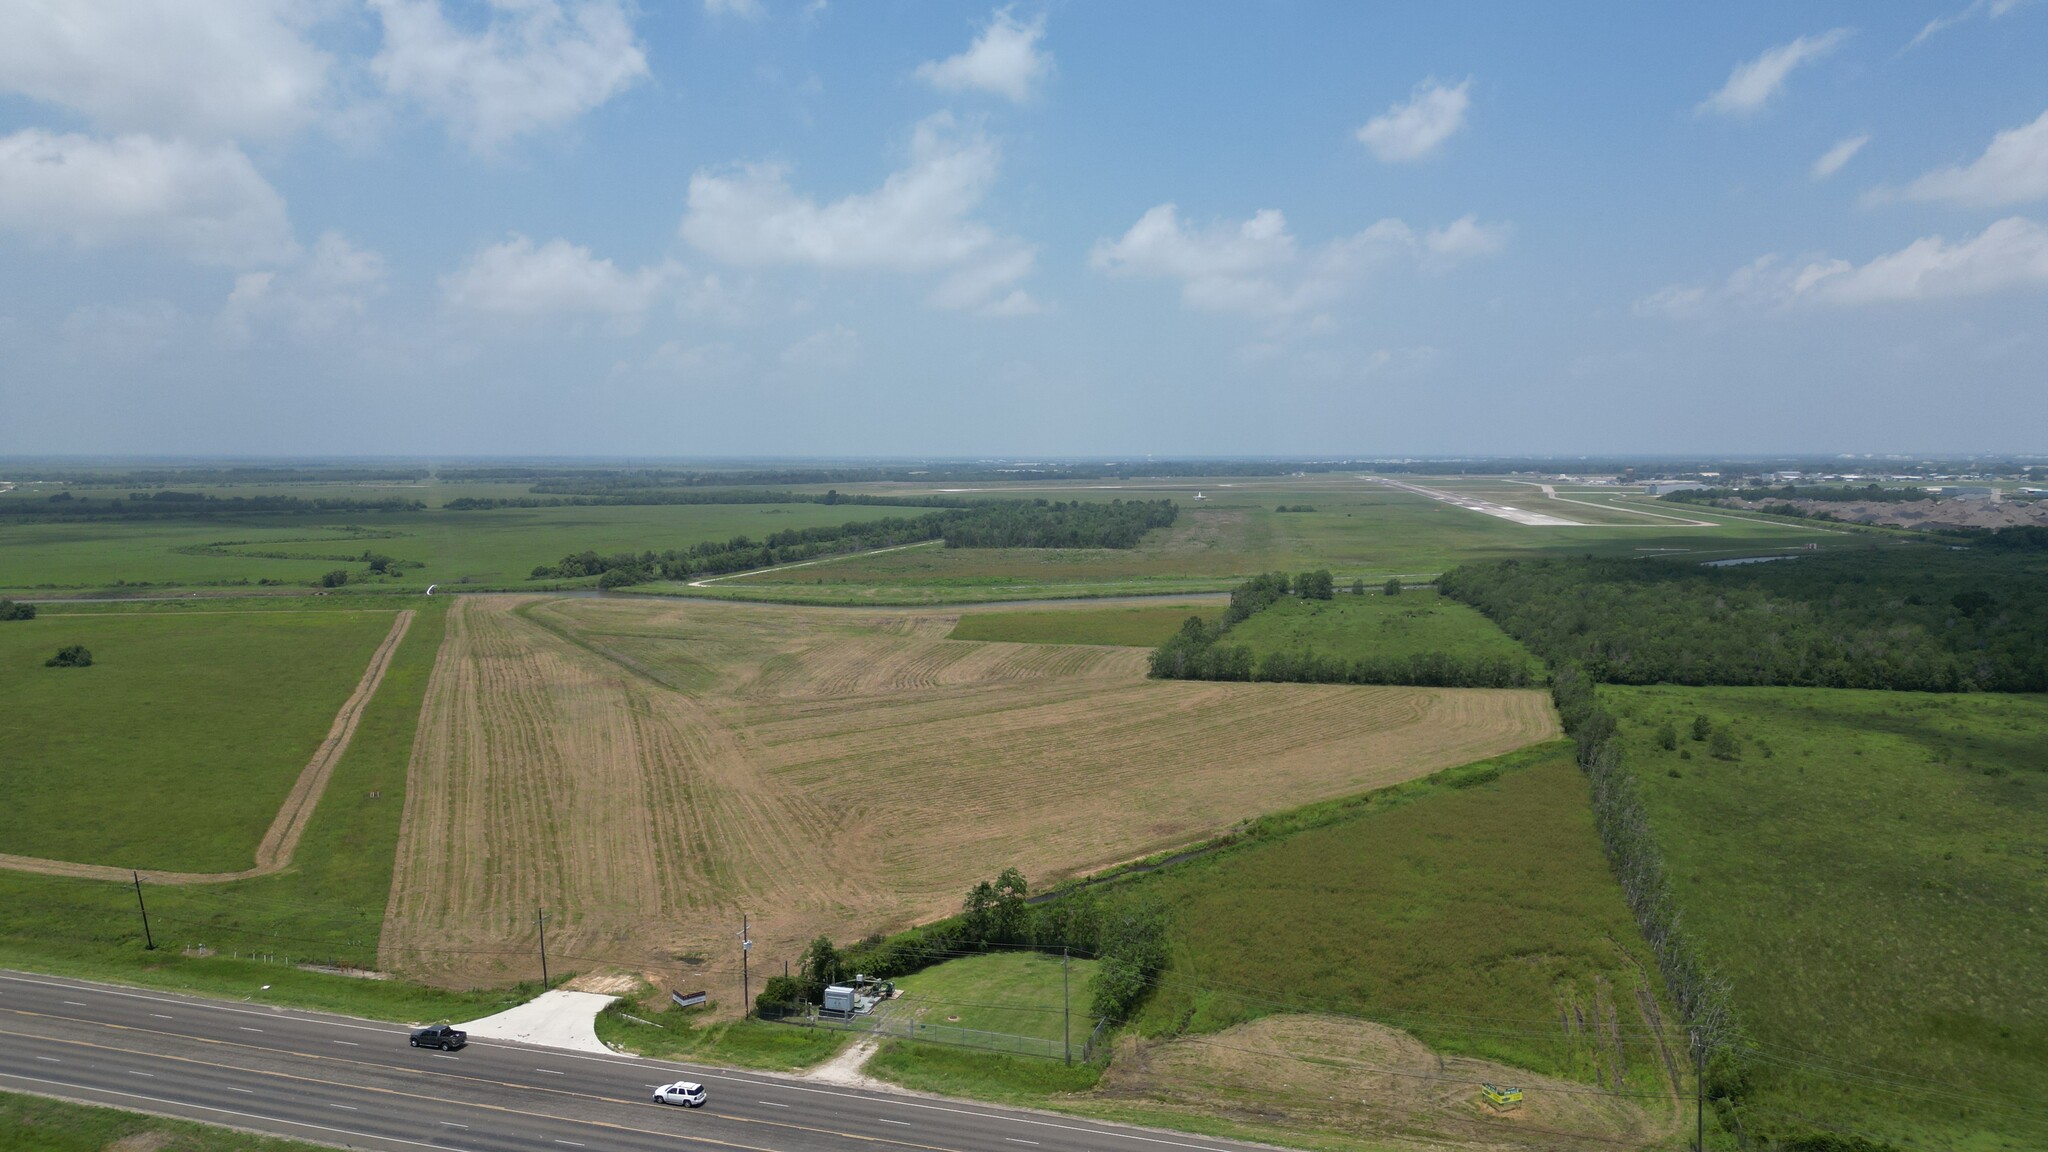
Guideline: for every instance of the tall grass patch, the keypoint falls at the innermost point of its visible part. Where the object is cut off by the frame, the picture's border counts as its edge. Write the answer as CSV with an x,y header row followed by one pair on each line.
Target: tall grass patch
x,y
1473,909
175,748
1870,869
1376,626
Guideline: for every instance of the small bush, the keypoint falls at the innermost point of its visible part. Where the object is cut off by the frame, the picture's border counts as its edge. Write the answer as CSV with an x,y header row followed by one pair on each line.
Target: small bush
x,y
1667,738
334,579
70,656
1393,586
1702,728
1723,745
9,610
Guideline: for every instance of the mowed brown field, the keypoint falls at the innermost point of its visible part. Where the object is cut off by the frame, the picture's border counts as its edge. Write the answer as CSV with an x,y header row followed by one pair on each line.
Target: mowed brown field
x,y
647,771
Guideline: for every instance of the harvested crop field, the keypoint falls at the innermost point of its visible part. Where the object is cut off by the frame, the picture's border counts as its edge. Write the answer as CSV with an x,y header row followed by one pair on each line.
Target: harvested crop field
x,y
647,771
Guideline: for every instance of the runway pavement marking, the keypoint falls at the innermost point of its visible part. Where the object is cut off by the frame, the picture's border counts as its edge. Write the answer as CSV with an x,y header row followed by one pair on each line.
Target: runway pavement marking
x,y
371,1089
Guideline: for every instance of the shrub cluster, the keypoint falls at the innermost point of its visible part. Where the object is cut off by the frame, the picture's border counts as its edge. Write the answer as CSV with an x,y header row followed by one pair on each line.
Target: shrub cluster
x,y
9,610
70,656
168,504
1073,524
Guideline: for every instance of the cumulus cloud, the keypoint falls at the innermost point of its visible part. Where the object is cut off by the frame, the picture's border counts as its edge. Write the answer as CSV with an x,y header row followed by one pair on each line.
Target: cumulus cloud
x,y
536,64
327,292
205,201
2010,254
1753,84
1831,161
1416,127
1004,59
518,279
1258,268
201,71
2012,170
920,220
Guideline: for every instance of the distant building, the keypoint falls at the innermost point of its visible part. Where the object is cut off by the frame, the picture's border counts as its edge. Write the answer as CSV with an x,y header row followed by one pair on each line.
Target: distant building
x,y
1970,492
1663,487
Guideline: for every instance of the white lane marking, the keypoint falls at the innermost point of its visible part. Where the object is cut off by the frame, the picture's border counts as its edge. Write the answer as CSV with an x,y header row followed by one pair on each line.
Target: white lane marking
x,y
76,1003
350,1043
243,1091
452,1124
133,1072
886,1120
161,1016
570,1143
328,1021
246,1028
445,1056
349,1107
549,1071
1014,1140
49,1059
771,1103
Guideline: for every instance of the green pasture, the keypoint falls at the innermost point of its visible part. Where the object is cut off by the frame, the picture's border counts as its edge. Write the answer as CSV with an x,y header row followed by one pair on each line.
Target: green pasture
x,y
1870,870
1012,993
175,748
494,548
244,939
1145,626
1377,626
671,1033
1470,908
36,1124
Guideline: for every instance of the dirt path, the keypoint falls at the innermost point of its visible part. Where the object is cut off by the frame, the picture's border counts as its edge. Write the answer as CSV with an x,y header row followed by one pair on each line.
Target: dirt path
x,y
275,851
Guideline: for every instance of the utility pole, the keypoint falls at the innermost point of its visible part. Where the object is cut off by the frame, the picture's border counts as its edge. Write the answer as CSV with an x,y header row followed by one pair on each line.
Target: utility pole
x,y
746,985
1067,1020
148,941
540,916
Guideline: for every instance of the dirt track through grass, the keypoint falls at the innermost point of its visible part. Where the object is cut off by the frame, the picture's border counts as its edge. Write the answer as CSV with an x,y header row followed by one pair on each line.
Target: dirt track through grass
x,y
275,851
647,771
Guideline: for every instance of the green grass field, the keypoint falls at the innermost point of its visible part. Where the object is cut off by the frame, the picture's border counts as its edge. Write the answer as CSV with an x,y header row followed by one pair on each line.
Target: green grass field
x,y
1871,871
328,908
1146,626
1011,993
34,1124
175,748
670,1033
1469,909
1415,622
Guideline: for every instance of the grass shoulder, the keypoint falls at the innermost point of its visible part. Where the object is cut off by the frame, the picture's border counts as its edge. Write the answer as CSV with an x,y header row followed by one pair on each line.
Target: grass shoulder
x,y
698,1034
39,1124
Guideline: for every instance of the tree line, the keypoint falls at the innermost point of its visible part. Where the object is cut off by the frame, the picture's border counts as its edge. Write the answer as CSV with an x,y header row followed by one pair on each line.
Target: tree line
x,y
583,496
988,524
1198,651
1127,939
1927,619
1838,493
11,610
168,504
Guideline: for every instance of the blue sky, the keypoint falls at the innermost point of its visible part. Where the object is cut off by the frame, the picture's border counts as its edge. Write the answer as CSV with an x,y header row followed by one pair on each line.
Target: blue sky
x,y
790,227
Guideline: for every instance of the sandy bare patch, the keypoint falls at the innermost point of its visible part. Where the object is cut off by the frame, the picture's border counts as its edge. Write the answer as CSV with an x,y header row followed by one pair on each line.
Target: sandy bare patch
x,y
275,851
1328,1074
648,771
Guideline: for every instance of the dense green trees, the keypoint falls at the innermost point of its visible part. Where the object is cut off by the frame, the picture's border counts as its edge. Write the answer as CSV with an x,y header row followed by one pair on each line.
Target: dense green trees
x,y
1914,618
1043,524
70,656
1317,585
170,504
10,610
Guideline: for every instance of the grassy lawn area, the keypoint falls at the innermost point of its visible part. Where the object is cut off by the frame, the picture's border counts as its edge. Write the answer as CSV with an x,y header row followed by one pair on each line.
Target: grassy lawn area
x,y
34,1124
1143,626
1011,993
175,748
1377,626
672,1033
1871,871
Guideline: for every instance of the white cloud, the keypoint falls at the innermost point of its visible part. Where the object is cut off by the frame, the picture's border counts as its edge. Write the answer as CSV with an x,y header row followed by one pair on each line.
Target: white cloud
x,y
1412,130
517,279
827,351
205,201
123,333
1752,85
326,293
1257,268
203,71
1992,8
744,9
536,65
1004,60
2012,170
1831,161
2010,254
920,220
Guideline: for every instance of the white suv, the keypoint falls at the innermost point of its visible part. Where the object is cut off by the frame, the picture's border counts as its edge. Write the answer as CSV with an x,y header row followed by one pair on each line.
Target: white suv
x,y
681,1092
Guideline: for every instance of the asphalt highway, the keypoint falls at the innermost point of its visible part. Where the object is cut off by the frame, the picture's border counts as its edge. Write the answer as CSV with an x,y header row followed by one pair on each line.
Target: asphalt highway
x,y
357,1083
